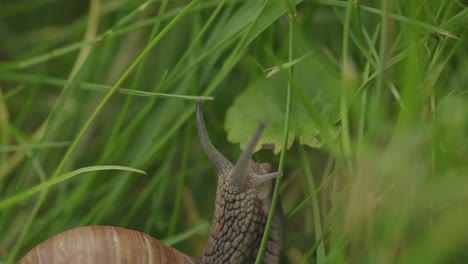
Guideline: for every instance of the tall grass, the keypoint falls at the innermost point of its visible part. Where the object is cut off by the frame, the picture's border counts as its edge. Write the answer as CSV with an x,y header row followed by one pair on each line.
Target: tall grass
x,y
373,93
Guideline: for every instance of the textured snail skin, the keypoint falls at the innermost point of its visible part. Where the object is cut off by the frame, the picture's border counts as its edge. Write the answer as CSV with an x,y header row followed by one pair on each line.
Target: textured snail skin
x,y
103,244
238,226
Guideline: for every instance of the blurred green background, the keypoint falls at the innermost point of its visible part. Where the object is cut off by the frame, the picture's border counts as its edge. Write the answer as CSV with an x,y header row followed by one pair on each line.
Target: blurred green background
x,y
376,158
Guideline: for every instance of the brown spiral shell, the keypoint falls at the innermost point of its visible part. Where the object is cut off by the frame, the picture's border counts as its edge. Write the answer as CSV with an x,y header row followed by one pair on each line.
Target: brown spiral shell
x,y
103,244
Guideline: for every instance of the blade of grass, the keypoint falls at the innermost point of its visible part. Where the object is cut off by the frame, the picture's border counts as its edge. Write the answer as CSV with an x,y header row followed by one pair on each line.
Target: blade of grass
x,y
26,147
198,228
181,179
30,78
136,81
143,54
275,198
197,39
6,203
310,196
316,209
143,197
381,12
345,137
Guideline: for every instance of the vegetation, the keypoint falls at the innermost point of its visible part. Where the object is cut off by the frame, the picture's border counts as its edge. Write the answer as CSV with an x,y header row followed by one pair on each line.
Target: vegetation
x,y
367,103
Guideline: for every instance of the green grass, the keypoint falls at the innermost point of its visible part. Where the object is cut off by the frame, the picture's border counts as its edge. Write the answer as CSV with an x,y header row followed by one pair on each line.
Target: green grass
x,y
371,94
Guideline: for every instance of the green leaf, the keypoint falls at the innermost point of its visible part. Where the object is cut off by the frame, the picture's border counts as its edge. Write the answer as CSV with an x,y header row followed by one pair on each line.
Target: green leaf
x,y
265,100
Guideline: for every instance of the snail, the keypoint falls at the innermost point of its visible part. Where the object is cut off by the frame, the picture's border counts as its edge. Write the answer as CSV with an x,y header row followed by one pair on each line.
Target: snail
x,y
243,200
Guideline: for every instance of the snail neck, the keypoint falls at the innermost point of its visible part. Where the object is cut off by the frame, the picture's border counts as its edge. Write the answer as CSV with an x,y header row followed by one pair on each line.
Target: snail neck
x,y
237,227
240,217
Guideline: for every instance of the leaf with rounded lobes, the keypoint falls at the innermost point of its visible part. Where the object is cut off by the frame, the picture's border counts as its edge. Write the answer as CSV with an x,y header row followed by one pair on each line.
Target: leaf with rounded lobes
x,y
266,99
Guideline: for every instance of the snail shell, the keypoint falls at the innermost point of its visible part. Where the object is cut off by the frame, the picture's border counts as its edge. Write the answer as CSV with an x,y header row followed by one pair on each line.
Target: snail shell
x,y
104,244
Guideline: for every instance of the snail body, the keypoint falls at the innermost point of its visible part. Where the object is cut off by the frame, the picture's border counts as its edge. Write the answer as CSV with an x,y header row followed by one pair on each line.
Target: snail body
x,y
243,201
